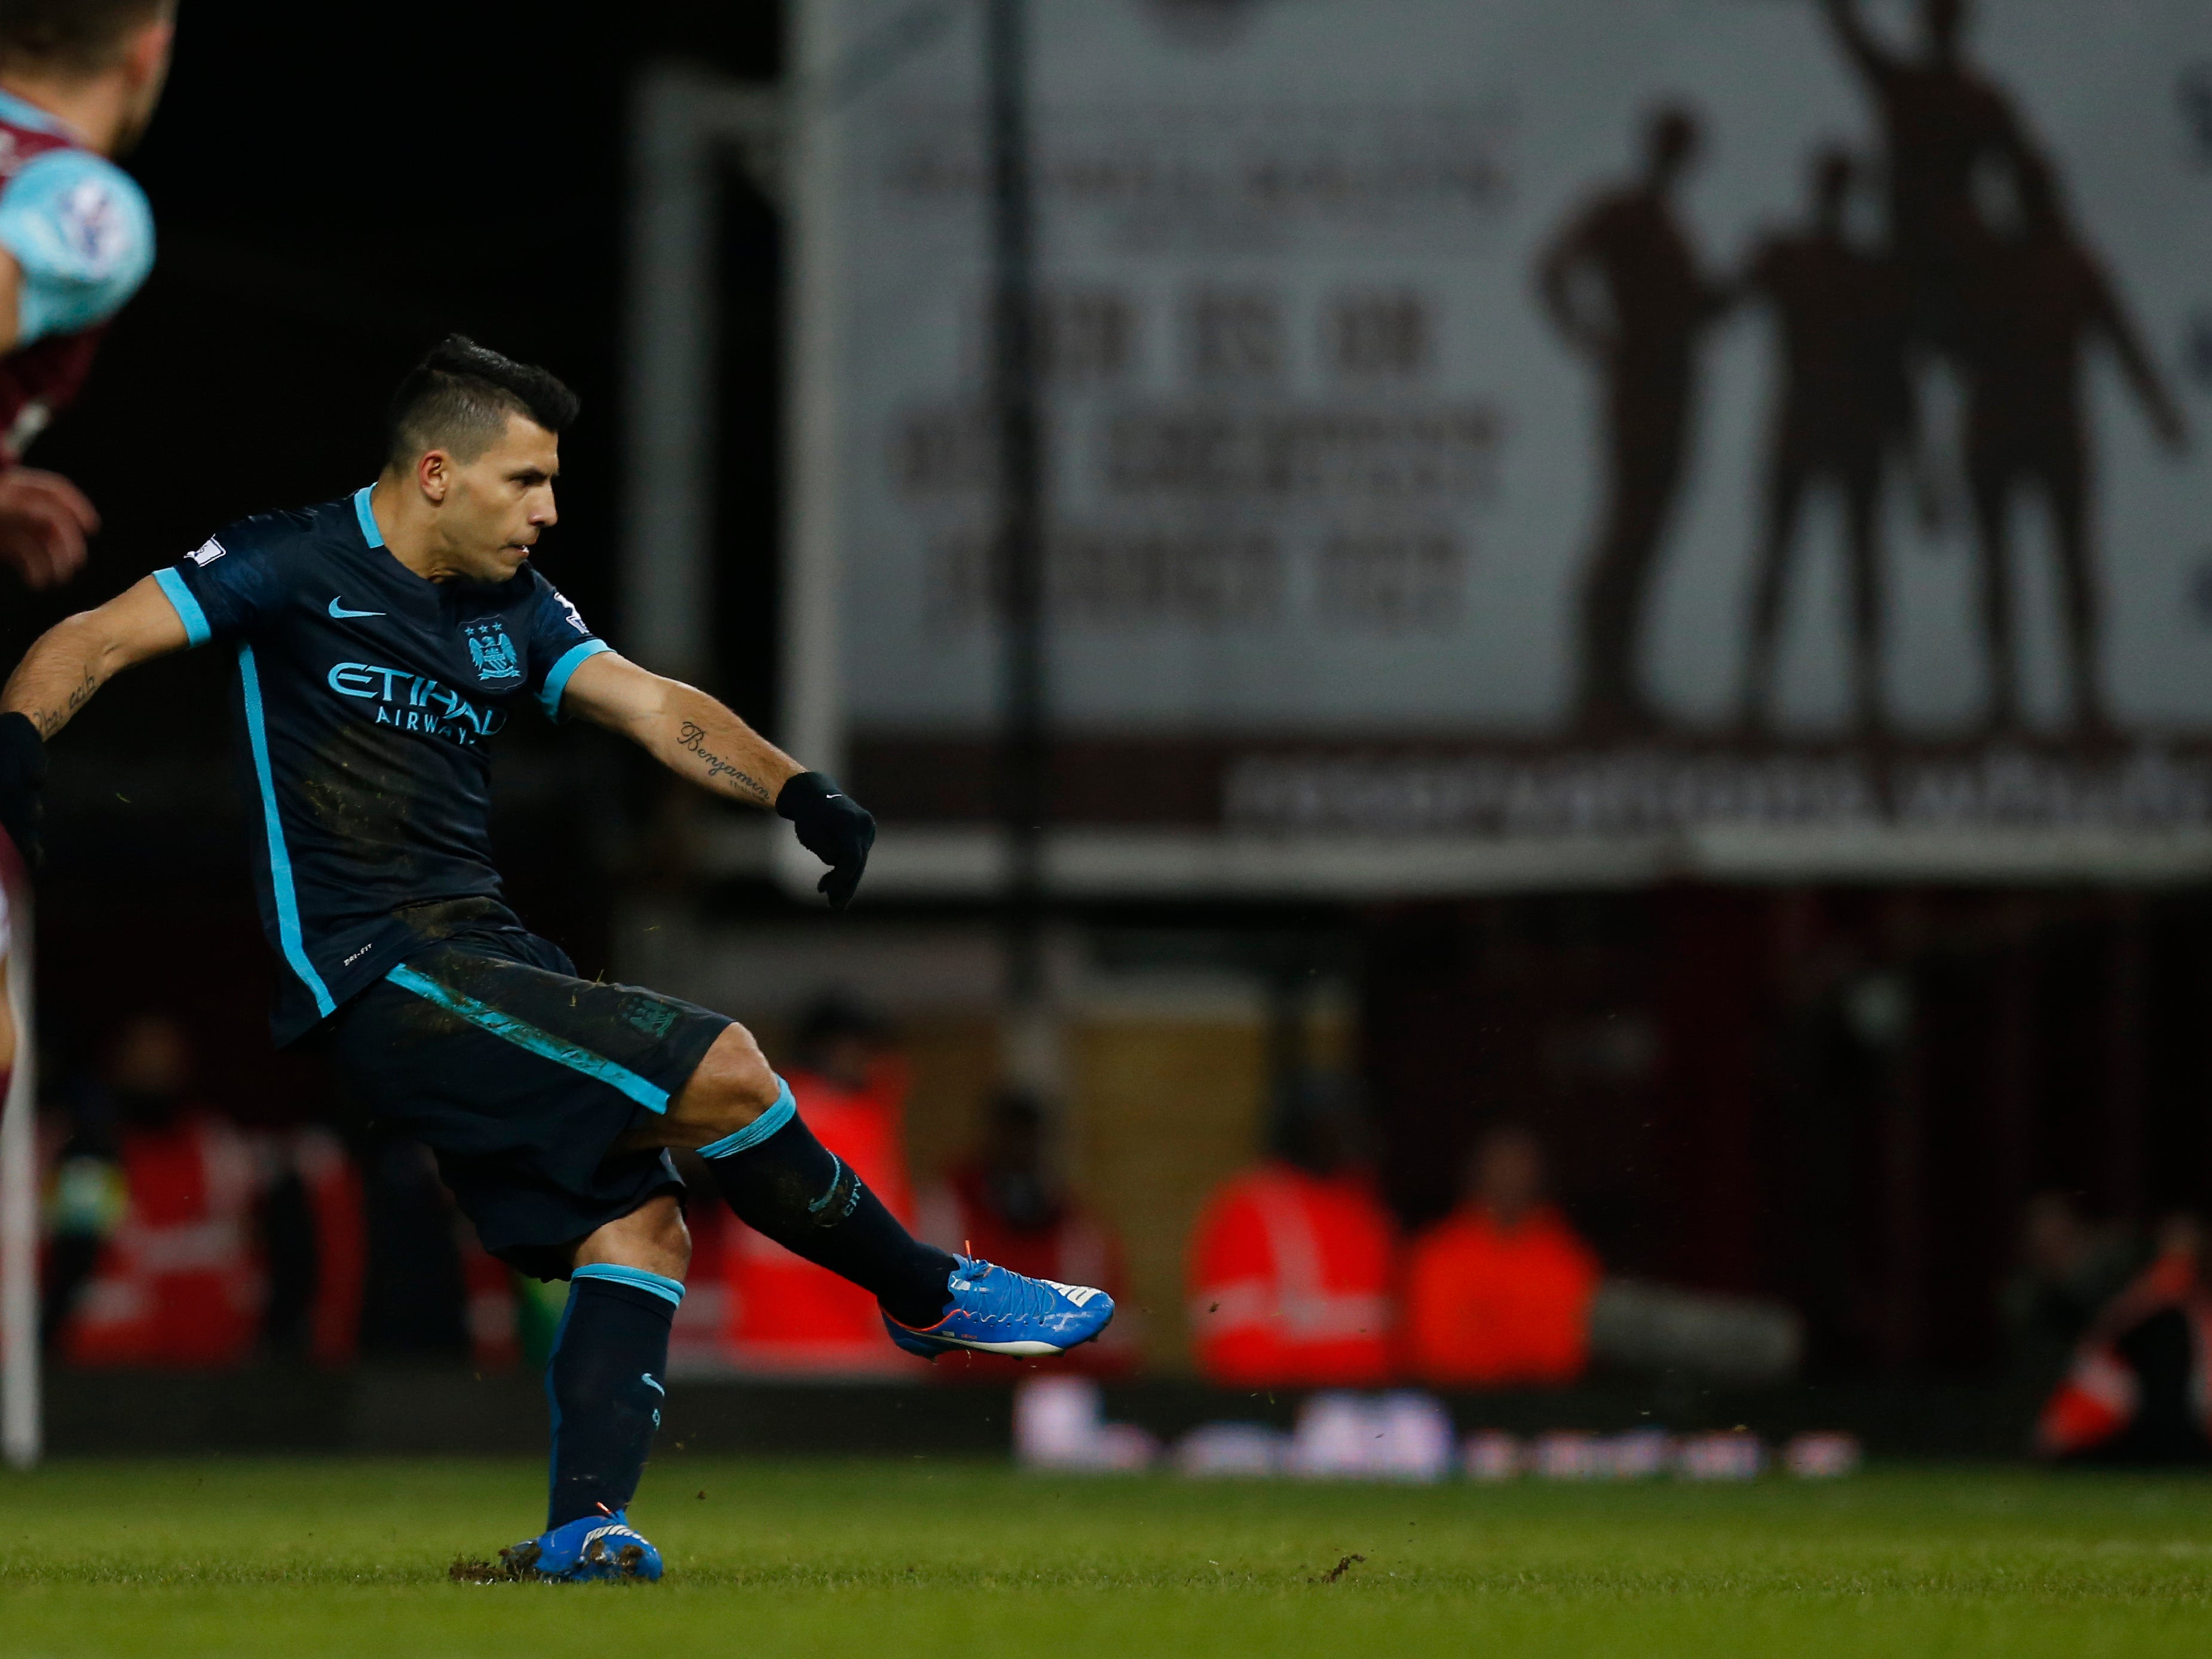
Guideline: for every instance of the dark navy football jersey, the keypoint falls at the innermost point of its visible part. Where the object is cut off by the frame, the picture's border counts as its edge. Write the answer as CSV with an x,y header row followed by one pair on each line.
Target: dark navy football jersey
x,y
367,698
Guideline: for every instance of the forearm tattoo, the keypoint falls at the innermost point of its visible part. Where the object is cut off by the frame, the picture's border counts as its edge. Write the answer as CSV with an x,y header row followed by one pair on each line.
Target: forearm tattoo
x,y
693,736
50,721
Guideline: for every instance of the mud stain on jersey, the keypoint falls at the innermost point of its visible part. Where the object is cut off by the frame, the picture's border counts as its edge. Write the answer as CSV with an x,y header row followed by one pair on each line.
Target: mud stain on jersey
x,y
358,792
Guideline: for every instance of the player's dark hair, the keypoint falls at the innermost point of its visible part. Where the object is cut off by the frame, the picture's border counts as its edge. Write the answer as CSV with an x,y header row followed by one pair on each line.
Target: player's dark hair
x,y
75,37
459,396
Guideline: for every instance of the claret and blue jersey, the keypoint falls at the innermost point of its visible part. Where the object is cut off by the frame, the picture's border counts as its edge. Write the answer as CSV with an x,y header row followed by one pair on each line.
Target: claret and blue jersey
x,y
76,225
369,697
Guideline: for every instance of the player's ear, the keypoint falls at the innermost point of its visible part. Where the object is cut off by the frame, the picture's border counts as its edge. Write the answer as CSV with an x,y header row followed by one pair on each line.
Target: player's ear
x,y
434,471
149,53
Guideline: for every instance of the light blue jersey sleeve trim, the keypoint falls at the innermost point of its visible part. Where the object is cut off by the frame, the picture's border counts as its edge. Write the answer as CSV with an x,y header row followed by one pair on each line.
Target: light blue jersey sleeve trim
x,y
196,631
280,860
557,681
759,1129
523,1034
81,230
365,518
22,113
668,1290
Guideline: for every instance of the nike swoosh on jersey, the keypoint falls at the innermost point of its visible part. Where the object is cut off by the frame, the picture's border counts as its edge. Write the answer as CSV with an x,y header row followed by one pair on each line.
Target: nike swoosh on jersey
x,y
340,613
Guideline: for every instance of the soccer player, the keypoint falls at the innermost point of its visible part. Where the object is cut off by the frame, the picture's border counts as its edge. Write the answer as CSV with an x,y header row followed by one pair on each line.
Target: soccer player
x,y
79,80
383,641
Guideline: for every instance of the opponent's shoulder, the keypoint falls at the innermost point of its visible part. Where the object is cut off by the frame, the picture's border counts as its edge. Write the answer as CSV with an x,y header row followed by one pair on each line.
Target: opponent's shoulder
x,y
72,216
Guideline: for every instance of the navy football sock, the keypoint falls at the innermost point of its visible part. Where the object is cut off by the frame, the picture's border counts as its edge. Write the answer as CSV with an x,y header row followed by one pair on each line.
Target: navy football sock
x,y
604,1379
785,1183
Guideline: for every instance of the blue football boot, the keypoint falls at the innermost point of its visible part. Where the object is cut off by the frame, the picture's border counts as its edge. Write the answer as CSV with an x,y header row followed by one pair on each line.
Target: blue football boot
x,y
591,1546
997,1311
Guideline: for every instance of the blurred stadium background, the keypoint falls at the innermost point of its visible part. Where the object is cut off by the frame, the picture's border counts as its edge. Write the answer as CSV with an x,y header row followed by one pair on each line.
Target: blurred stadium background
x,y
1417,955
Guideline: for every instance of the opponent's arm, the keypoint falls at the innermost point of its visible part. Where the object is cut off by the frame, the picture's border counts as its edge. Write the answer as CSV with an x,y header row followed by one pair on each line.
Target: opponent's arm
x,y
57,676
45,519
698,738
76,241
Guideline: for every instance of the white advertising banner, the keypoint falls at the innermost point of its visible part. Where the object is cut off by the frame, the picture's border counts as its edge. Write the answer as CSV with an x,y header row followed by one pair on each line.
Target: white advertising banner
x,y
1504,417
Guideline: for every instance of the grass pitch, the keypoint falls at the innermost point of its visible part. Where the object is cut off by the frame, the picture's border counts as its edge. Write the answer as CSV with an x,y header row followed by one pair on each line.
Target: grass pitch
x,y
916,1559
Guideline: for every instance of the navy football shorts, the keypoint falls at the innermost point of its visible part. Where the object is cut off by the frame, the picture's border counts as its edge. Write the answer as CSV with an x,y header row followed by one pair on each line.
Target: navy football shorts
x,y
520,1078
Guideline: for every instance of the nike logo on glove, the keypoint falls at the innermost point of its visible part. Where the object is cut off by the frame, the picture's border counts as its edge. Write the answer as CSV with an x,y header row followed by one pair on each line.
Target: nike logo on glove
x,y
340,613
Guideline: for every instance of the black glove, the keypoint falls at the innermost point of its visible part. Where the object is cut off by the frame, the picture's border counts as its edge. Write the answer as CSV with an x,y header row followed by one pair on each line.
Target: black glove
x,y
834,827
23,774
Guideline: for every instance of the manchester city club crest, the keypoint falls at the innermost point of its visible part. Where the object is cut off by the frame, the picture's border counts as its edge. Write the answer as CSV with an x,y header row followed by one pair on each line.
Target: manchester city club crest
x,y
491,651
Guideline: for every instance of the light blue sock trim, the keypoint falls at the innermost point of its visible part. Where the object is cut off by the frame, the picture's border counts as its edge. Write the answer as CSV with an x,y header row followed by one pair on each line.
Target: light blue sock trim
x,y
556,681
759,1129
196,631
365,518
524,1035
670,1290
280,862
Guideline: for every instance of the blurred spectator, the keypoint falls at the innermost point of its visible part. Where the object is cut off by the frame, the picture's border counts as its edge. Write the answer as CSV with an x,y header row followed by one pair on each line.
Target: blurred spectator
x,y
1498,1294
2069,1269
179,1239
177,1281
1005,1205
787,1314
1294,1262
2138,1390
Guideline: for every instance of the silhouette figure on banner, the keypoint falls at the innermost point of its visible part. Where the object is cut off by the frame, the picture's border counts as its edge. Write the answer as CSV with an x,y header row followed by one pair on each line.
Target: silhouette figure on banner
x,y
1844,408
1949,135
2036,300
1981,271
1623,284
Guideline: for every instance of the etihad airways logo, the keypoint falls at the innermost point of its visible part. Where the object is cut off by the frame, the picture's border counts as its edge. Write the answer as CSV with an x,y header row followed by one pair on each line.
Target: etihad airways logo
x,y
415,702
